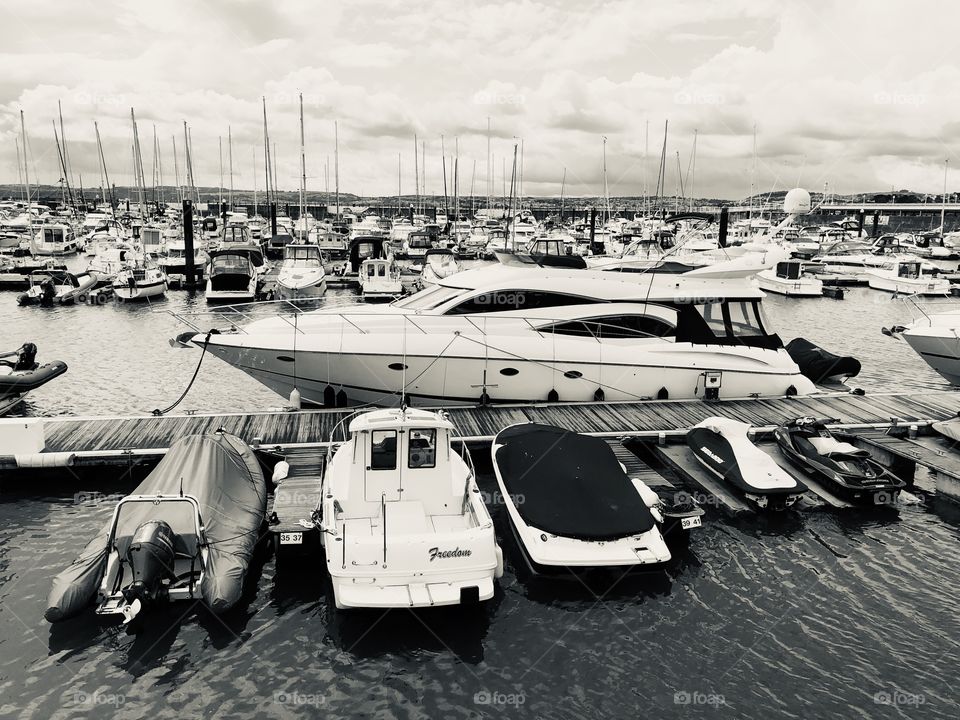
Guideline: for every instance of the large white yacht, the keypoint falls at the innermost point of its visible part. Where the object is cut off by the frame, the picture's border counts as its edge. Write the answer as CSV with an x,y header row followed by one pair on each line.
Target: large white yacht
x,y
514,334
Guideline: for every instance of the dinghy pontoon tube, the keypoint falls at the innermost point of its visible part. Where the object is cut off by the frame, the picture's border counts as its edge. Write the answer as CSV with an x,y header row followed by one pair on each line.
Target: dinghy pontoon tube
x,y
724,448
210,492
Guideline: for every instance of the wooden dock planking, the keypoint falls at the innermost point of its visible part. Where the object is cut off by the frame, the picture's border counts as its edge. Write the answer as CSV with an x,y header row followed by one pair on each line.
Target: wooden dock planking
x,y
104,435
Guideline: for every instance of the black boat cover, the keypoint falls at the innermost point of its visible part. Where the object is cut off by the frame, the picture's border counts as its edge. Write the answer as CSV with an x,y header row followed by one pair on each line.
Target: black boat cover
x,y
571,485
817,364
223,474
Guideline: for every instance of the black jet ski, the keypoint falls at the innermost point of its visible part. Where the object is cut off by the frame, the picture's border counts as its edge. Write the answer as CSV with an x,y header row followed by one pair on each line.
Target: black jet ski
x,y
571,504
724,448
20,373
844,468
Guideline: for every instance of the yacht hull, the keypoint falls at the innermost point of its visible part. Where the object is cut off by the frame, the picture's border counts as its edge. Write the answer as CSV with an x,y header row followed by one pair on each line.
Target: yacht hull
x,y
939,348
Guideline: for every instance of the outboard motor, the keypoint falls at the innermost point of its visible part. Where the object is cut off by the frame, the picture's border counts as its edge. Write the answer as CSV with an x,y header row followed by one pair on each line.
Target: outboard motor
x,y
26,357
151,556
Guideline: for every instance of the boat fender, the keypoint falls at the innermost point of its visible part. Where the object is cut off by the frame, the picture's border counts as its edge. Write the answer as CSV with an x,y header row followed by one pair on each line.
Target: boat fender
x,y
341,398
498,573
791,391
553,396
295,399
280,471
484,398
649,497
329,396
45,460
598,395
663,394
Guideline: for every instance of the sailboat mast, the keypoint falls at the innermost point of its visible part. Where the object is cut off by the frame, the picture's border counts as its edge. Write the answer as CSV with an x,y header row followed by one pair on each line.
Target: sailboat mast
x,y
253,153
303,171
563,185
68,172
646,185
266,154
103,165
606,190
443,163
473,177
943,203
416,171
138,166
489,168
399,182
159,164
26,168
220,184
230,155
19,167
176,169
336,163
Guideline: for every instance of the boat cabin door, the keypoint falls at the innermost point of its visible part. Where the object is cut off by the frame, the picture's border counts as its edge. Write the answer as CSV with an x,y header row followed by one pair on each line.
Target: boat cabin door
x,y
382,469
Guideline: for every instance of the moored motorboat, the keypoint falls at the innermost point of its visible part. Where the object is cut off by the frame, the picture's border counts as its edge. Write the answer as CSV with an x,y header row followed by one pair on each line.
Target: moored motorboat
x,y
724,448
571,503
380,279
233,274
907,277
848,470
402,520
789,278
438,263
20,373
187,532
54,239
302,274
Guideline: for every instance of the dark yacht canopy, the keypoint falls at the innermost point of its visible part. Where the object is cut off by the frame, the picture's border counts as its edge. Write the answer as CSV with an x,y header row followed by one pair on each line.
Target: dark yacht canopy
x,y
571,485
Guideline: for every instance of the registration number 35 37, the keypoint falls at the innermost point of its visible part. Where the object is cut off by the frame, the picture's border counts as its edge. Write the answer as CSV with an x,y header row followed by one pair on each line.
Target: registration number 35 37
x,y
291,538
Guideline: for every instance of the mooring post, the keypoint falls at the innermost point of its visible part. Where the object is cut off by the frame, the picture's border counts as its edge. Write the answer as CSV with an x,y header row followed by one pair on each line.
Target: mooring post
x,y
724,223
860,223
876,223
273,219
188,243
593,228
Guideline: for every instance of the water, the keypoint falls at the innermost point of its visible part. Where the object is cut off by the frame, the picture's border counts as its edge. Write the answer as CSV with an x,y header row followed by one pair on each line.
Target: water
x,y
811,615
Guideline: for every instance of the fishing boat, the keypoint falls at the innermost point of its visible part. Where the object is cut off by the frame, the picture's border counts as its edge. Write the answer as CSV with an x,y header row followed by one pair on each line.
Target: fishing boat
x,y
187,532
906,276
20,373
402,520
789,278
54,239
141,279
380,279
513,334
301,274
58,287
572,506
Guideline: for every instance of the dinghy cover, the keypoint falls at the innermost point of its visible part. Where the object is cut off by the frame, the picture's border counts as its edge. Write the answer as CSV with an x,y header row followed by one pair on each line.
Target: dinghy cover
x,y
569,485
224,475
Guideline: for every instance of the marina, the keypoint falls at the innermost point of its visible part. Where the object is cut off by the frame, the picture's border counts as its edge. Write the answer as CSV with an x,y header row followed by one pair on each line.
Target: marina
x,y
537,361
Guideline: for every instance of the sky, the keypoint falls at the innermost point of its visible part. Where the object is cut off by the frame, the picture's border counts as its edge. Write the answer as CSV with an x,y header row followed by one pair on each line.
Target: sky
x,y
864,96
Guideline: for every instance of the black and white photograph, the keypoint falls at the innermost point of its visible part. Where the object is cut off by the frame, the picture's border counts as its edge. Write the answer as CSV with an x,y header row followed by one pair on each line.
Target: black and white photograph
x,y
541,359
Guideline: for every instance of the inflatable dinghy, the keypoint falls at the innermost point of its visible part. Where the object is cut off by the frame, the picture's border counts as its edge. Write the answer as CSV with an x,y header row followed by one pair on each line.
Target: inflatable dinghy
x,y
20,373
188,531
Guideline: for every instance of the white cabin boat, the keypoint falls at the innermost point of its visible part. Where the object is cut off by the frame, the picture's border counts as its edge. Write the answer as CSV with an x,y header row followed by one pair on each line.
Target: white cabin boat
x,y
788,278
233,274
401,518
906,277
54,239
140,280
301,274
380,279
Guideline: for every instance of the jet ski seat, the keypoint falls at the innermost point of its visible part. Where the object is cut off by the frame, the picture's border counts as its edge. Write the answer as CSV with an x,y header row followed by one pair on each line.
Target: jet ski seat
x,y
831,447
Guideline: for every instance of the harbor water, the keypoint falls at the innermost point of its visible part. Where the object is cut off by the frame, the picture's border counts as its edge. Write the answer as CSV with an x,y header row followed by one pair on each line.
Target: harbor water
x,y
817,614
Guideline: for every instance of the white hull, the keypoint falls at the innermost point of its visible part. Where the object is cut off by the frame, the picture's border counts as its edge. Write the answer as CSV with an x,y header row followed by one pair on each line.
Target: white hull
x,y
300,292
940,349
801,287
369,373
124,292
46,250
908,286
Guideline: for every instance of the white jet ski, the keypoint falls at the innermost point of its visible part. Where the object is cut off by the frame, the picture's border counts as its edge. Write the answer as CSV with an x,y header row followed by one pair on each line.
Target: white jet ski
x,y
723,447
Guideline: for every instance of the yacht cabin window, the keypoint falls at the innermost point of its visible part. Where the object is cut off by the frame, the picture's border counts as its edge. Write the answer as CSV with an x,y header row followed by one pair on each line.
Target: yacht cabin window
x,y
615,327
422,448
503,300
383,450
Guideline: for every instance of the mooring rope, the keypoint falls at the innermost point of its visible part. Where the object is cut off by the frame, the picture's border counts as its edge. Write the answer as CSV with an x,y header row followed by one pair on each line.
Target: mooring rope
x,y
203,353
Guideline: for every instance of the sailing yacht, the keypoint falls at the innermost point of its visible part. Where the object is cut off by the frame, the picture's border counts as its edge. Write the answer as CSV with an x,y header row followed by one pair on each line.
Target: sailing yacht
x,y
141,279
519,334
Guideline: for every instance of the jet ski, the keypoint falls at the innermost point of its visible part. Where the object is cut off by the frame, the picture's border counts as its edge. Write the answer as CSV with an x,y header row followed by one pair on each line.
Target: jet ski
x,y
187,533
20,373
572,506
724,448
846,469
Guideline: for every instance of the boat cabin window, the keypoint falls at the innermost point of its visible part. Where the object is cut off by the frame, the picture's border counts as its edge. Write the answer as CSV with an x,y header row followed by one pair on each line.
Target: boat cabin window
x,y
422,448
383,450
231,263
909,270
728,322
419,241
53,235
615,328
151,237
789,270
302,255
503,300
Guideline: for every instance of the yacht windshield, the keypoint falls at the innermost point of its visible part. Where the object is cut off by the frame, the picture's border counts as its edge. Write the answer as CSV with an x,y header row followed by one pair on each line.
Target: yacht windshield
x,y
301,256
429,298
725,322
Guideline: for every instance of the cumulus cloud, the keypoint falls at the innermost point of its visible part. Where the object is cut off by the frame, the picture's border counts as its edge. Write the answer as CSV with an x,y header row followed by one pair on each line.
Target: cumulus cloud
x,y
833,98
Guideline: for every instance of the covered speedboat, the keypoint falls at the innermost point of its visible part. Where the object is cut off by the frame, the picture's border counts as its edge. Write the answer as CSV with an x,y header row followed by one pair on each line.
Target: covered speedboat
x,y
302,274
188,531
848,470
438,263
234,274
571,504
20,373
724,448
402,520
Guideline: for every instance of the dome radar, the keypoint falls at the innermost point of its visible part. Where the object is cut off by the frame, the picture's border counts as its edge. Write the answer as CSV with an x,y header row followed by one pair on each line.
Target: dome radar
x,y
796,202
